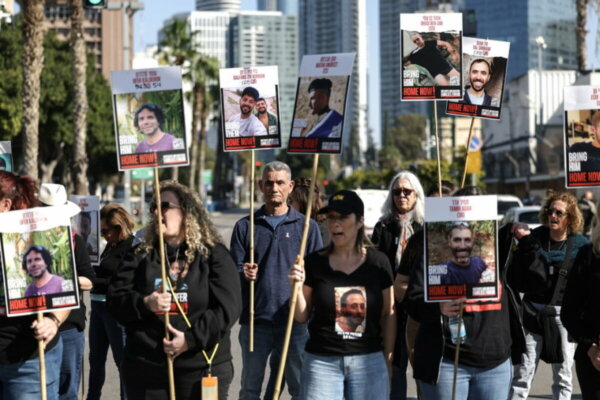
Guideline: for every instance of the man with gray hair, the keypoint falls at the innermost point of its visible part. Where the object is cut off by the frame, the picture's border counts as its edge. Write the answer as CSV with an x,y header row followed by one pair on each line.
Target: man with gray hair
x,y
277,236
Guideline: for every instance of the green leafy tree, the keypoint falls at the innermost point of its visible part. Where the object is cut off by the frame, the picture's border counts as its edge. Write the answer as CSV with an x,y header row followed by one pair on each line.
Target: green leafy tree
x,y
406,135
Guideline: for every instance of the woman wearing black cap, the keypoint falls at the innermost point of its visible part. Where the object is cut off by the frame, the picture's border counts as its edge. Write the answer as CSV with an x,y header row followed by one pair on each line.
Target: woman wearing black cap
x,y
347,293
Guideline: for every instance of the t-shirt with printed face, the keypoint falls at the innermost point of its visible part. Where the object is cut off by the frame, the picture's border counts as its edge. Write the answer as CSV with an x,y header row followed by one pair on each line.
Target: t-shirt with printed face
x,y
346,309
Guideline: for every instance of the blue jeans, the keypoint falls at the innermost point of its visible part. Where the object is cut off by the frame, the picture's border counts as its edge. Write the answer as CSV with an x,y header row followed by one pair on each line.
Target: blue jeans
x,y
70,368
358,377
104,332
21,381
471,382
268,341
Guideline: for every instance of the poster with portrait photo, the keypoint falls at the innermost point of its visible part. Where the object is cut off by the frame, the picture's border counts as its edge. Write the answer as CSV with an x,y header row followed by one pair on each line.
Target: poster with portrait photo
x,y
6,159
582,136
461,248
350,311
250,108
38,266
87,224
484,71
320,107
149,118
431,56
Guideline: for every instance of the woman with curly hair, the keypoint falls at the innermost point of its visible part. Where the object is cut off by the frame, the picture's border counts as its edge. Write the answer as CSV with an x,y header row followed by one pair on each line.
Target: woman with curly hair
x,y
559,240
206,284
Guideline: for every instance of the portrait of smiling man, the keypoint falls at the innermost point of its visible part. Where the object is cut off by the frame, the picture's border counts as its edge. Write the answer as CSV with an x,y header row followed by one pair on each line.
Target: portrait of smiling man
x,y
462,268
37,262
248,123
480,73
149,119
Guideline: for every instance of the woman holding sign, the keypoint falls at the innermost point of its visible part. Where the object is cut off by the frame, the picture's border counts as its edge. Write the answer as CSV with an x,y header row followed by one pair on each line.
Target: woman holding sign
x,y
19,336
580,314
347,299
207,302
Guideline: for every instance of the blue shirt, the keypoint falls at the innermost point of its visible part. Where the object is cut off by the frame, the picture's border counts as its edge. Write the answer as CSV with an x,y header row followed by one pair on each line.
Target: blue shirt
x,y
275,250
458,275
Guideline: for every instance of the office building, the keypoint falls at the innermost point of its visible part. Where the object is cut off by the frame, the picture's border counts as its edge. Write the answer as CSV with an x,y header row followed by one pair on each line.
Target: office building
x,y
289,7
218,5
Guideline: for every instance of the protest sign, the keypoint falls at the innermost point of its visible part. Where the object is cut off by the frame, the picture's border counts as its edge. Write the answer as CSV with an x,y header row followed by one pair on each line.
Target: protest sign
x,y
250,108
87,224
460,248
321,99
431,56
6,160
484,70
149,118
582,136
38,266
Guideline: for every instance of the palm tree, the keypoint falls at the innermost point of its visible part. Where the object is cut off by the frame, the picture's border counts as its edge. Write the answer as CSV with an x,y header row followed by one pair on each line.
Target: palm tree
x,y
33,61
80,101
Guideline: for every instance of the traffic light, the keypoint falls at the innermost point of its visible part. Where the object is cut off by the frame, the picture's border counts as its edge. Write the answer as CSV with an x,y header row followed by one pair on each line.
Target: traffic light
x,y
94,3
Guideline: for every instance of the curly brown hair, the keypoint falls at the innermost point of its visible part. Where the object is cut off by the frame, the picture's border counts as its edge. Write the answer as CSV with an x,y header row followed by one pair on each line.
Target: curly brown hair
x,y
574,215
200,233
117,217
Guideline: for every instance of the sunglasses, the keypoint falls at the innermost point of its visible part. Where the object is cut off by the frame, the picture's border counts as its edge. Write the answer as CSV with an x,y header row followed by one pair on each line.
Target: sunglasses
x,y
106,231
552,211
164,206
405,192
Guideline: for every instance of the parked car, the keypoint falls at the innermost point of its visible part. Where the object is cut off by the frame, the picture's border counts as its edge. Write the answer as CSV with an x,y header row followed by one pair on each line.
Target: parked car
x,y
373,199
529,215
506,202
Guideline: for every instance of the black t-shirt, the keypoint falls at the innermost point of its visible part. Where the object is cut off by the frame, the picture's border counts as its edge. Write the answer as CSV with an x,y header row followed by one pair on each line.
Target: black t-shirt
x,y
488,340
346,309
430,58
592,153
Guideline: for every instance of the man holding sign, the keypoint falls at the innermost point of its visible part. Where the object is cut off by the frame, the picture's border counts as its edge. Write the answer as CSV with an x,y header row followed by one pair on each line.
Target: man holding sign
x,y
277,236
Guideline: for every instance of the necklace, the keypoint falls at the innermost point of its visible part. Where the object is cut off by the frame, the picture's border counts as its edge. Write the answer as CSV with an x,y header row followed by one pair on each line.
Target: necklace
x,y
562,244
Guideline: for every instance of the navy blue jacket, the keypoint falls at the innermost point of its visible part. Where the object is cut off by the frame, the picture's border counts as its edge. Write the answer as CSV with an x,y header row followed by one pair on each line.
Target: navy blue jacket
x,y
275,251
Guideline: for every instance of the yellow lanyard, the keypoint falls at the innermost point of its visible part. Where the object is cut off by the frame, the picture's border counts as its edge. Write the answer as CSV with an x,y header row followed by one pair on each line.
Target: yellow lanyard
x,y
209,360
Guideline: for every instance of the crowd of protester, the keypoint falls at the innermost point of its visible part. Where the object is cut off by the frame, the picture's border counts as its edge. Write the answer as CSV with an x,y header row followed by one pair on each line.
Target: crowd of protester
x,y
360,316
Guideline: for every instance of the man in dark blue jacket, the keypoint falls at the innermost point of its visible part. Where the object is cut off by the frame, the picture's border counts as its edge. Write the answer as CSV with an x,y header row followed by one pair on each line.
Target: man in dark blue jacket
x,y
277,236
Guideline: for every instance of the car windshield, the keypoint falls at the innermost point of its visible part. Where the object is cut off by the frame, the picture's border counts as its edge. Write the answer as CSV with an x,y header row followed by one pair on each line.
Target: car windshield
x,y
504,206
530,217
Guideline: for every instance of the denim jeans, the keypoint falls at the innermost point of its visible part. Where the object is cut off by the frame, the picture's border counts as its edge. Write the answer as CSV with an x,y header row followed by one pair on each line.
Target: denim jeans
x,y
21,381
268,341
471,382
70,368
104,332
562,384
357,377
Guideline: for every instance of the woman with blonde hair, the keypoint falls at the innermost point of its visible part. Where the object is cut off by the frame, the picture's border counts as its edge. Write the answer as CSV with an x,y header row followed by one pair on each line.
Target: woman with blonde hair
x,y
116,226
580,314
205,282
558,240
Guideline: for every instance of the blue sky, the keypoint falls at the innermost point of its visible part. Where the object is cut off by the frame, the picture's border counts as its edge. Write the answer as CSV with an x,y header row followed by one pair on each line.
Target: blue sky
x,y
150,20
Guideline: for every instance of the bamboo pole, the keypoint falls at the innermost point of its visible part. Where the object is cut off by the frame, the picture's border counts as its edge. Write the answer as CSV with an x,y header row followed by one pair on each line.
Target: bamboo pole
x,y
296,286
42,357
437,146
251,250
163,273
464,176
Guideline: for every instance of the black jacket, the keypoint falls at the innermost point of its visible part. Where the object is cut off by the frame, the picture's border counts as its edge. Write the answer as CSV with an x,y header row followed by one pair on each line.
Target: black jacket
x,y
213,305
430,340
385,238
109,263
580,311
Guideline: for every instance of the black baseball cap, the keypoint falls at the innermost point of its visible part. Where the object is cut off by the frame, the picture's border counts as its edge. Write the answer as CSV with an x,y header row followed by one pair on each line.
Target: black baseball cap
x,y
345,202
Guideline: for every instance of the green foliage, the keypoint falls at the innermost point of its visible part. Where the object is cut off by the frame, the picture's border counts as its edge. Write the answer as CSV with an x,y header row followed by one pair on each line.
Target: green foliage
x,y
364,179
55,126
406,135
56,240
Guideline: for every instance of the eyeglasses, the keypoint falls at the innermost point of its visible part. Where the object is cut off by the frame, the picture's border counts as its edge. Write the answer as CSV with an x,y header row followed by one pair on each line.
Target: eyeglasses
x,y
164,206
106,231
403,191
552,211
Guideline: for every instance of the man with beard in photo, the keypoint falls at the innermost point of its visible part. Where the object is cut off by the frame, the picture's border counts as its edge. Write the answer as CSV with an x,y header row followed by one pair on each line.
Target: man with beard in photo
x,y
149,119
480,73
248,123
462,268
263,115
352,312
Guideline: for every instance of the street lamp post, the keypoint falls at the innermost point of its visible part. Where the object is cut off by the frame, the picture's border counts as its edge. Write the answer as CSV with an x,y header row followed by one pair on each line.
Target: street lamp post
x,y
541,43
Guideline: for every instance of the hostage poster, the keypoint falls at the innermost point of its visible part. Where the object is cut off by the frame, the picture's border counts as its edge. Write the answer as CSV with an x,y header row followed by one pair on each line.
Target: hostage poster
x,y
431,56
484,70
149,118
87,224
461,248
582,136
250,108
38,267
321,99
